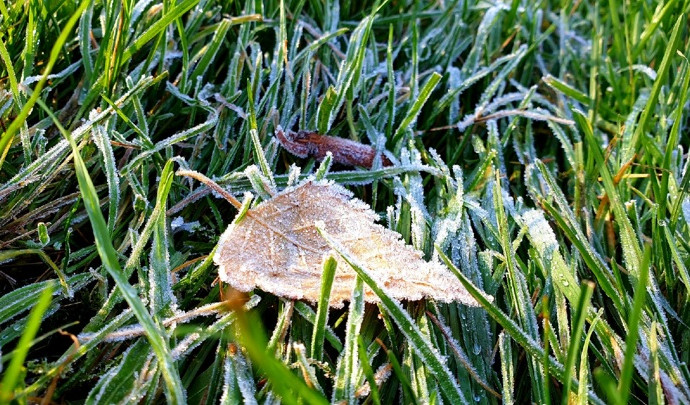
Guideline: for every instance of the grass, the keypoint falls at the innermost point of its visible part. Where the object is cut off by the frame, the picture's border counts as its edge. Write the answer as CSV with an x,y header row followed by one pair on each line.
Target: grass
x,y
541,154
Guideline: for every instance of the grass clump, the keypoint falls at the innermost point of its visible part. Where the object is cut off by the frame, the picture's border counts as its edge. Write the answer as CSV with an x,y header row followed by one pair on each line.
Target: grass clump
x,y
539,153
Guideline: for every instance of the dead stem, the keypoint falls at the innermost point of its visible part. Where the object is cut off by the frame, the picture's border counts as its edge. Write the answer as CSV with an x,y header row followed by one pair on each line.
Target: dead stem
x,y
211,184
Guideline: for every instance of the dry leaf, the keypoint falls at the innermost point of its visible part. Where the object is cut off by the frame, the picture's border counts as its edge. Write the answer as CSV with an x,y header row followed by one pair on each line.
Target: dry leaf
x,y
345,151
277,248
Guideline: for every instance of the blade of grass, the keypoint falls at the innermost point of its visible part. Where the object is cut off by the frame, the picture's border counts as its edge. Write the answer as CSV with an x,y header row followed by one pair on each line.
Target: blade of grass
x,y
115,385
161,297
402,377
672,143
655,390
517,285
319,334
310,316
584,366
628,369
657,18
578,327
156,28
10,254
351,69
11,375
507,369
365,362
211,50
280,330
307,369
11,75
416,106
567,223
22,299
660,81
345,383
630,243
102,141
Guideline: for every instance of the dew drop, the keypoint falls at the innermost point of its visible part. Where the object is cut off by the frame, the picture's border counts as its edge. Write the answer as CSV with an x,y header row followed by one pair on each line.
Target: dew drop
x,y
476,349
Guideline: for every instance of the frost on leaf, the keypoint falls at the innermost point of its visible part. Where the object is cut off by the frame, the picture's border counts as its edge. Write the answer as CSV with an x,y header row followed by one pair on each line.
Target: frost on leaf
x,y
277,248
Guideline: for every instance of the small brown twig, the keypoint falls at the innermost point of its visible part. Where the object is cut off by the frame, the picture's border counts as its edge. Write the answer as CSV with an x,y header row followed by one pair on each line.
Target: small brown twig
x,y
212,185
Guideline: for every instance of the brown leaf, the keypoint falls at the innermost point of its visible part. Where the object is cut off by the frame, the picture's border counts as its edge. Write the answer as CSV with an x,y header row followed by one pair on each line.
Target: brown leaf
x,y
277,248
345,151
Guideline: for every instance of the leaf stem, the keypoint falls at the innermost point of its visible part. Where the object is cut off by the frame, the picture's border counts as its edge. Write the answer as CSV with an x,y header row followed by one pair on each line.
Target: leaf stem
x,y
211,184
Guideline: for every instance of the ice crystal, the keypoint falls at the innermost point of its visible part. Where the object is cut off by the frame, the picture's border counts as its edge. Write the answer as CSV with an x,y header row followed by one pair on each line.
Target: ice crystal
x,y
178,224
293,175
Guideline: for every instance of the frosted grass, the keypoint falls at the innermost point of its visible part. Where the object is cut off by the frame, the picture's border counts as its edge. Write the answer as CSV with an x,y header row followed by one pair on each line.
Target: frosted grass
x,y
36,171
102,141
407,327
511,81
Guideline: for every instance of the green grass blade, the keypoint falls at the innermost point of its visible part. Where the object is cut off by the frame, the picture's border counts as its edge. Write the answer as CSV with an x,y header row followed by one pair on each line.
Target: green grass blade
x,y
632,330
319,334
672,143
238,383
662,72
631,247
11,254
11,75
507,369
282,325
156,28
516,283
310,316
349,74
211,50
402,378
568,225
579,318
345,383
22,299
12,374
584,366
115,385
326,106
365,362
161,297
416,106
263,163
655,391
656,20
102,141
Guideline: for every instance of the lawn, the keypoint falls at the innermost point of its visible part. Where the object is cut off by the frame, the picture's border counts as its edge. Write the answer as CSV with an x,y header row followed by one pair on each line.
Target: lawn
x,y
533,151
